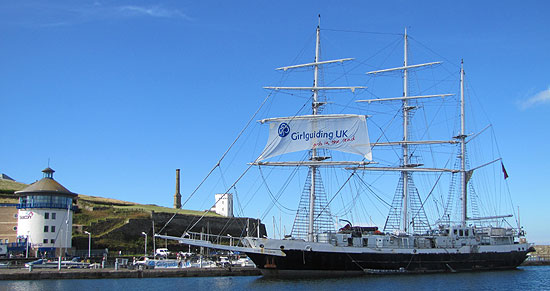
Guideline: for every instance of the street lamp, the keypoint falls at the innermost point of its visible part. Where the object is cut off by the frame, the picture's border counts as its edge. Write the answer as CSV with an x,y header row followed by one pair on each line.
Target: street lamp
x,y
143,233
89,243
27,241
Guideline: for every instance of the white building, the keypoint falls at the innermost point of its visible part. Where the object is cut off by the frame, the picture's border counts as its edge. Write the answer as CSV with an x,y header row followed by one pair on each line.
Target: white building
x,y
224,204
45,215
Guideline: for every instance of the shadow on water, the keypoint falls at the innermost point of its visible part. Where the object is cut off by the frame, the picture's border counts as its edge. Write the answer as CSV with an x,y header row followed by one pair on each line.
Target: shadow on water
x,y
523,278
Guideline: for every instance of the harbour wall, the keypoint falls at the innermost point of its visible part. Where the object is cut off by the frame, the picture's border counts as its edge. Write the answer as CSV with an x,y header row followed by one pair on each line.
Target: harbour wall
x,y
25,274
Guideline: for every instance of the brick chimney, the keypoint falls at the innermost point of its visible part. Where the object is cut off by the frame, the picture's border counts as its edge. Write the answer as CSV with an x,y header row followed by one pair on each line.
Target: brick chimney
x,y
177,196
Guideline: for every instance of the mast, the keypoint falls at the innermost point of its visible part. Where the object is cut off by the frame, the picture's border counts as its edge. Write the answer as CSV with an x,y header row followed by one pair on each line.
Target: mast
x,y
405,146
305,221
463,184
314,106
406,201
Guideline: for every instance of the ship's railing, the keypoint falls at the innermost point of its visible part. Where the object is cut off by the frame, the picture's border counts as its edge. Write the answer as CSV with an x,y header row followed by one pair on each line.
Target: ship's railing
x,y
539,258
213,238
484,231
497,232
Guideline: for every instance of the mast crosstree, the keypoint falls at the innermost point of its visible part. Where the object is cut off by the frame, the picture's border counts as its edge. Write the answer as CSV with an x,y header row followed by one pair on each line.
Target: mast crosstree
x,y
406,212
313,214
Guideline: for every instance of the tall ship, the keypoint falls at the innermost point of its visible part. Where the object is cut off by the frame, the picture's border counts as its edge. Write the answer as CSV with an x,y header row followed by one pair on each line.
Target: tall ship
x,y
459,238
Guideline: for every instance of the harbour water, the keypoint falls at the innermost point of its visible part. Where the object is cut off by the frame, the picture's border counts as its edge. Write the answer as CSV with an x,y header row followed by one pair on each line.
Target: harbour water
x,y
523,278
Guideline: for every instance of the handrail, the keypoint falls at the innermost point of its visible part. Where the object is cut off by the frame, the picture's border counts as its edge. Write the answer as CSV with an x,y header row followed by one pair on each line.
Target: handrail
x,y
46,205
219,239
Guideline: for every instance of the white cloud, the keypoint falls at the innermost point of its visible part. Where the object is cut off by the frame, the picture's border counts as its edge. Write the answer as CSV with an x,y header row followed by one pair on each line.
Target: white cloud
x,y
48,15
154,11
539,98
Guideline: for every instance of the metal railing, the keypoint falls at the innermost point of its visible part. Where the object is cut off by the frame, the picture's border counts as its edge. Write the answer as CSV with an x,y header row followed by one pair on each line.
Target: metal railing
x,y
46,205
93,253
217,239
14,244
539,258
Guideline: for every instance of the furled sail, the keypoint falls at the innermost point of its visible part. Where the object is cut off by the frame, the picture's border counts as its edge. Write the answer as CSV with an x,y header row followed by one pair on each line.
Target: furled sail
x,y
341,132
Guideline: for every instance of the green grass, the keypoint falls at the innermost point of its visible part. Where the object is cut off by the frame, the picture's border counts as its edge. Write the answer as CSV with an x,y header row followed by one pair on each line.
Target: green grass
x,y
9,200
87,217
7,188
103,208
125,205
157,208
11,185
102,200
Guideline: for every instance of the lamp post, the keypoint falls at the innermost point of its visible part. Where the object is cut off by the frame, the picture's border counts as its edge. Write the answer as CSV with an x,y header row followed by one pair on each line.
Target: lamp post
x,y
143,233
89,243
27,252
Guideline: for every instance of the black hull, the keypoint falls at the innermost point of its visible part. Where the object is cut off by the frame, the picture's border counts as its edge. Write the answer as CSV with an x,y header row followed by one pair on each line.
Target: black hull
x,y
304,263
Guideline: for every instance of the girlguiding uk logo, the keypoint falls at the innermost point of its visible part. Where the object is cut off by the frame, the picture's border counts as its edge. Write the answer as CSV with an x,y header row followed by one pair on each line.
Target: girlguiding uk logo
x,y
284,129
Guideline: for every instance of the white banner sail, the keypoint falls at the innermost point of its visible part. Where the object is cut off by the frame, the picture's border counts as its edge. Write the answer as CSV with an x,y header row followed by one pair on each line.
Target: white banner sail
x,y
345,133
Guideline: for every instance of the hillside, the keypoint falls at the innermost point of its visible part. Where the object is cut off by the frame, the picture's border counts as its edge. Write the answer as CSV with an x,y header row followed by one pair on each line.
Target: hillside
x,y
86,202
117,225
7,188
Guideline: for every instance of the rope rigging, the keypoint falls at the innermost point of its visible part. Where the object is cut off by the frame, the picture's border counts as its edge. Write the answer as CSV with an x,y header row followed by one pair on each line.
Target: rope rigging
x,y
219,161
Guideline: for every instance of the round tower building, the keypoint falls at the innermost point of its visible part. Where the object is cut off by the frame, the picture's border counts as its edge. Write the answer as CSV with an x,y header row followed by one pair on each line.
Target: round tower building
x,y
45,216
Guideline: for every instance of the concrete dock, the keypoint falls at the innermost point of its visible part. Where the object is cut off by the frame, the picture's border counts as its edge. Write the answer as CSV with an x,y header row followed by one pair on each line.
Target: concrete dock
x,y
109,273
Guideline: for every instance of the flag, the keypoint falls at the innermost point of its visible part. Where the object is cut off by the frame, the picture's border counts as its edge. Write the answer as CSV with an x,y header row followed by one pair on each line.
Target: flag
x,y
345,133
504,171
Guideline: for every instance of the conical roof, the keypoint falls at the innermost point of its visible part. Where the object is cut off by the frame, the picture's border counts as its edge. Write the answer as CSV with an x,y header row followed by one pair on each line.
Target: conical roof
x,y
46,186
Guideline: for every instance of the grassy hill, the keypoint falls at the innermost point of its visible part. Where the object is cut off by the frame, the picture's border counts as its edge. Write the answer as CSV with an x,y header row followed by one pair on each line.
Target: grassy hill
x,y
105,218
125,205
7,188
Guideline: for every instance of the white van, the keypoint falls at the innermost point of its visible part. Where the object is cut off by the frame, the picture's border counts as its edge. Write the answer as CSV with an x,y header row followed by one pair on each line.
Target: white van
x,y
162,252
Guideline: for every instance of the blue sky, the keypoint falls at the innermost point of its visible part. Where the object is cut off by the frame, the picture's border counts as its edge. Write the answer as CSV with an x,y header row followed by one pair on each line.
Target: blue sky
x,y
118,94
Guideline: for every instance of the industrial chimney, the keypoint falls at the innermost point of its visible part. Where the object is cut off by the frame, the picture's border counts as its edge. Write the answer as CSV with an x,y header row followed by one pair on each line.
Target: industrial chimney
x,y
177,196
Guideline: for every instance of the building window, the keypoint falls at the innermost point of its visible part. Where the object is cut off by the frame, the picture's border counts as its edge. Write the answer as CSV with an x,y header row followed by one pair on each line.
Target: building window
x,y
53,228
53,215
45,228
15,228
45,240
15,215
46,215
52,241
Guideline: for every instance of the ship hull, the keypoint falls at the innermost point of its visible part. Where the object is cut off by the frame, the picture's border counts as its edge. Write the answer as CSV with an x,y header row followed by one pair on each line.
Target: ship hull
x,y
315,263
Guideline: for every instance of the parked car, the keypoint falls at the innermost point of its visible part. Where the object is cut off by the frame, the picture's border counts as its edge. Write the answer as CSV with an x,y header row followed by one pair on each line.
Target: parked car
x,y
162,252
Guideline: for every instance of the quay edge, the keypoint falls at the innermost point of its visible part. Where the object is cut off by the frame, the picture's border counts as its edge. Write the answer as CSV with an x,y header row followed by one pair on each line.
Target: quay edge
x,y
24,274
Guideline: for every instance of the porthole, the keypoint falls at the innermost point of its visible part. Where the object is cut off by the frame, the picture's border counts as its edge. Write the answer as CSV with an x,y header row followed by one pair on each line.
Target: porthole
x,y
15,215
15,228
